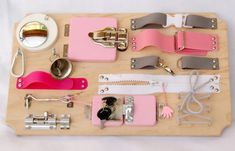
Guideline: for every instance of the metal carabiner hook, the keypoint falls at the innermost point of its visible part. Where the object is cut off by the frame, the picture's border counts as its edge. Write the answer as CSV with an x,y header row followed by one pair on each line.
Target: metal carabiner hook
x,y
19,53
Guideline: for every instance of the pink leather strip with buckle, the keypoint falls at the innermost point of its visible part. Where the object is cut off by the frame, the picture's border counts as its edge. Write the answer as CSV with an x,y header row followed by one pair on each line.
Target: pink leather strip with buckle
x,y
185,42
43,80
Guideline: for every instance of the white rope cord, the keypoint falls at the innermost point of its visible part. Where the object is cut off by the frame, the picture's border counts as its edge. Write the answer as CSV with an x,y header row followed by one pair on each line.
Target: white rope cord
x,y
190,98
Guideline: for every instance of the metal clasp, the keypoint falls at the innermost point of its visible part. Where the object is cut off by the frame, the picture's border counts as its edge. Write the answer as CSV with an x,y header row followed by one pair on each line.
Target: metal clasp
x,y
111,37
128,109
47,121
165,67
178,20
19,53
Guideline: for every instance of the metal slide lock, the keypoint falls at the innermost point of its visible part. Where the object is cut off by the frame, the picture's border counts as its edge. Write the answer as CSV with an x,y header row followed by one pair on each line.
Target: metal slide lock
x,y
47,121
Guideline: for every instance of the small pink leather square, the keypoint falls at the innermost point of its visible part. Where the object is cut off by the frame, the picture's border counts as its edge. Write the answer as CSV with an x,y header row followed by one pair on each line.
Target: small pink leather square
x,y
145,111
81,47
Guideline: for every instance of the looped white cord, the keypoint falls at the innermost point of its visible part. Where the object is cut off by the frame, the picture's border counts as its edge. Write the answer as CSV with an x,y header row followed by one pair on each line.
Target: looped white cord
x,y
20,53
190,96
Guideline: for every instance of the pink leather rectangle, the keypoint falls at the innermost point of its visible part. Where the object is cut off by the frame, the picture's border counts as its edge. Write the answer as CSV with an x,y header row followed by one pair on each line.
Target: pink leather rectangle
x,y
81,47
145,111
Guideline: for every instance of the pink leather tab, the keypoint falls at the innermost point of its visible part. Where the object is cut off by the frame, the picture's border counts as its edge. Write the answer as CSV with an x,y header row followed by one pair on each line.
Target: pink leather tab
x,y
81,47
43,80
145,110
185,42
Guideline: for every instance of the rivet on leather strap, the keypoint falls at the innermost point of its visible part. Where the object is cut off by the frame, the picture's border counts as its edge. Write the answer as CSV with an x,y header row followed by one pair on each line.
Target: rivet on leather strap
x,y
189,62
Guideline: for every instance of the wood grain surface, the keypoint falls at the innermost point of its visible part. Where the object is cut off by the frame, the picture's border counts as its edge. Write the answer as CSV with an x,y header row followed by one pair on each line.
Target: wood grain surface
x,y
220,103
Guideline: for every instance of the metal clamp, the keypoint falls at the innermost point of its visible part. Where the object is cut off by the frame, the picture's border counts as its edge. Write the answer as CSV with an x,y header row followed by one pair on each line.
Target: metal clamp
x,y
47,121
128,109
111,37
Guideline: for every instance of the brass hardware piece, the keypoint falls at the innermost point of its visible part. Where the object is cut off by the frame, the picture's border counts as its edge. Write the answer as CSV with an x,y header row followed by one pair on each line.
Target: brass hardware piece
x,y
111,37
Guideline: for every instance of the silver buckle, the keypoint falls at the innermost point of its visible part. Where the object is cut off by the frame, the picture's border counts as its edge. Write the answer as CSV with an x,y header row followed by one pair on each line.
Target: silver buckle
x,y
178,20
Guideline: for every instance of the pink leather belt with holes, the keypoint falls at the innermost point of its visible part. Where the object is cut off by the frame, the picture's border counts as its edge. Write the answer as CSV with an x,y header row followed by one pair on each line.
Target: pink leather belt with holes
x,y
185,42
43,80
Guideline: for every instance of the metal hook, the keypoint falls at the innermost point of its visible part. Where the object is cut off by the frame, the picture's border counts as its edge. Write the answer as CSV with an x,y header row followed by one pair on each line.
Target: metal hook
x,y
165,67
19,53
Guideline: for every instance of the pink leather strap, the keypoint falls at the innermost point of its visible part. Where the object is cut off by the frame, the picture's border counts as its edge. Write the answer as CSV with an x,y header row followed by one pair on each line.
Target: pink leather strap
x,y
185,42
43,80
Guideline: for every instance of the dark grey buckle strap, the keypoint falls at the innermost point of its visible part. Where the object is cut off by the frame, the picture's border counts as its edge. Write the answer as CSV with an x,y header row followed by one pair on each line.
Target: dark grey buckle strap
x,y
154,20
189,62
197,21
161,20
148,62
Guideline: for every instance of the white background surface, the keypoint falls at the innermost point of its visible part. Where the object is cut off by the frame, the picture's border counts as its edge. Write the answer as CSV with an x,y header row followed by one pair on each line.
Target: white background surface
x,y
13,10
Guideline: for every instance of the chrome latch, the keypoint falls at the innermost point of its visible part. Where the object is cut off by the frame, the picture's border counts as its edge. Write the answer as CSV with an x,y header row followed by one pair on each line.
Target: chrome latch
x,y
47,121
111,37
128,109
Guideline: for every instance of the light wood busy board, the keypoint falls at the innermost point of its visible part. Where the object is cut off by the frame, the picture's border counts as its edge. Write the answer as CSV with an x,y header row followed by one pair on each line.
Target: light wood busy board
x,y
220,103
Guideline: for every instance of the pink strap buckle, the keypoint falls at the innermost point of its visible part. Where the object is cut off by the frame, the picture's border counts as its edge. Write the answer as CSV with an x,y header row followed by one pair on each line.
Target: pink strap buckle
x,y
185,42
43,80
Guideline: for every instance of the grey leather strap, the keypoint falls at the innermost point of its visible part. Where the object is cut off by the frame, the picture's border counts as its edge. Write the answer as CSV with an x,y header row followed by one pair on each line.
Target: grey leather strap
x,y
189,62
161,20
154,20
196,21
148,62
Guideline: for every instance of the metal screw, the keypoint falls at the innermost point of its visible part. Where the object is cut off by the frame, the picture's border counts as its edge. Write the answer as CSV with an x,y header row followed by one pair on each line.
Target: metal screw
x,y
19,85
214,66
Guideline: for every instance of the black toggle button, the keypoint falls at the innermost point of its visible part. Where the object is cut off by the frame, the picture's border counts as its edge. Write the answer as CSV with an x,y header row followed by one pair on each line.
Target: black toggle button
x,y
104,113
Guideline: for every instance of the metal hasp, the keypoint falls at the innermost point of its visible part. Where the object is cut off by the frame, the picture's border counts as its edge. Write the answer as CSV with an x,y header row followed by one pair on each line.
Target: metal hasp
x,y
111,37
47,121
128,109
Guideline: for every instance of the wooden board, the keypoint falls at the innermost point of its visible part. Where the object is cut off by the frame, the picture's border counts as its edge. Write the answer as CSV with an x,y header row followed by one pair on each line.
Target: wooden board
x,y
220,103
